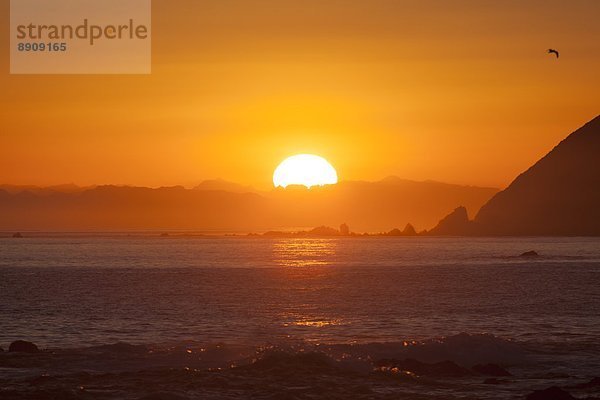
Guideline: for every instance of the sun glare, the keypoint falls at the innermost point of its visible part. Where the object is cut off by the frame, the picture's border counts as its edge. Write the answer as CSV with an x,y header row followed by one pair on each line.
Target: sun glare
x,y
304,169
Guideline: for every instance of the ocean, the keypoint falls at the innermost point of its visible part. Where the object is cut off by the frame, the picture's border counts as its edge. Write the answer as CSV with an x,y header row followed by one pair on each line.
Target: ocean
x,y
185,317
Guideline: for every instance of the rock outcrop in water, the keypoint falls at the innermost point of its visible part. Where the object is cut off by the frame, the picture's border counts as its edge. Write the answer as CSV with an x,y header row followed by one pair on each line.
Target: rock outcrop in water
x,y
552,393
344,229
319,231
529,254
22,346
454,224
408,230
558,196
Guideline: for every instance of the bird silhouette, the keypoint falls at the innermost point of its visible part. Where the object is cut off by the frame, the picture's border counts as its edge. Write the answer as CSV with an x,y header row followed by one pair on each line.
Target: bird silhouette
x,y
552,51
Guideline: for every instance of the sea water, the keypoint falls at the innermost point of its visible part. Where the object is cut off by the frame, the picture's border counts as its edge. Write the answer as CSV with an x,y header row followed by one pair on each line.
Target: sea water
x,y
224,302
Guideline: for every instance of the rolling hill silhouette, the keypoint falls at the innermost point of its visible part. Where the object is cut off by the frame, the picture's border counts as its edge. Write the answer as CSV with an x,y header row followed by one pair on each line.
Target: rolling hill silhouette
x,y
559,195
226,186
222,206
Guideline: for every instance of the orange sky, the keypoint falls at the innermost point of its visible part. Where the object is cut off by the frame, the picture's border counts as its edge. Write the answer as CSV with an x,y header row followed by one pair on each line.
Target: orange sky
x,y
454,91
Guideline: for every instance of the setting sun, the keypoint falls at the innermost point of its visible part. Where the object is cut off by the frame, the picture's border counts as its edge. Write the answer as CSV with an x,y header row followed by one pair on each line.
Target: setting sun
x,y
304,169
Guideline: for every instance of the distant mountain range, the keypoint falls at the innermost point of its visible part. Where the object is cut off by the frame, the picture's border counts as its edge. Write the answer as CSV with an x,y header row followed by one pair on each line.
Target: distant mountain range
x,y
220,184
223,206
558,195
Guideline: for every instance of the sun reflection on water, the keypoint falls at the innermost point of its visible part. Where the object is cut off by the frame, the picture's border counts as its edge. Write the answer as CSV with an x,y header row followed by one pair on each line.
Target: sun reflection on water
x,y
304,252
313,323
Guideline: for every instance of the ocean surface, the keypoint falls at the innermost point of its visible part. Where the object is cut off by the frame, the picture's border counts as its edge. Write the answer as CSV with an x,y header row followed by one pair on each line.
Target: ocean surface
x,y
184,317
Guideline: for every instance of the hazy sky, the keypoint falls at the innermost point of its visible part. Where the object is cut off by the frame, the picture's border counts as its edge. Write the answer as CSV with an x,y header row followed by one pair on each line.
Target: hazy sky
x,y
455,91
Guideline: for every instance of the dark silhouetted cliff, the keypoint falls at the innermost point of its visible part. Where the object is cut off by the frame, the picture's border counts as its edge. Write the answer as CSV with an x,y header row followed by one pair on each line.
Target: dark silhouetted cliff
x,y
558,196
454,224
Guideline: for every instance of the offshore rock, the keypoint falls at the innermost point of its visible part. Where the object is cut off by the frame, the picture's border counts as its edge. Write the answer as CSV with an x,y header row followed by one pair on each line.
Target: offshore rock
x,y
22,346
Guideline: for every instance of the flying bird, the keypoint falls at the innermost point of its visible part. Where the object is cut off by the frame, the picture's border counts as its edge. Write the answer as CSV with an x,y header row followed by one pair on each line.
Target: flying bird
x,y
552,51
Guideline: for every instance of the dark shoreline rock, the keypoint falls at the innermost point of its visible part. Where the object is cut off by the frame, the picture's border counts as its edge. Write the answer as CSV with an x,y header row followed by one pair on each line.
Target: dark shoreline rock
x,y
23,346
593,383
530,253
551,393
